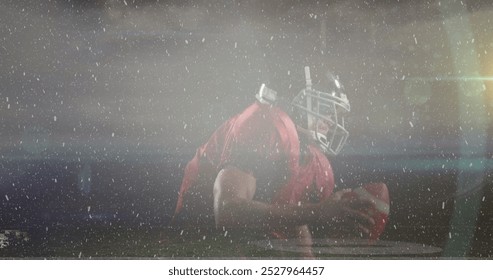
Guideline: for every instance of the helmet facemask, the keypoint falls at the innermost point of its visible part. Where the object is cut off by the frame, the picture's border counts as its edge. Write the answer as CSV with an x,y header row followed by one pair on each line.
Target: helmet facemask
x,y
322,113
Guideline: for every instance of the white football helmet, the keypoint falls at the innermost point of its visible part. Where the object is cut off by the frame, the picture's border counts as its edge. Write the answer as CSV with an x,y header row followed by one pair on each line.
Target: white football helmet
x,y
325,103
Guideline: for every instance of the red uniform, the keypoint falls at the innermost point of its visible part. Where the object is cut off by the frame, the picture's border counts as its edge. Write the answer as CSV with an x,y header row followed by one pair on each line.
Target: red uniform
x,y
263,141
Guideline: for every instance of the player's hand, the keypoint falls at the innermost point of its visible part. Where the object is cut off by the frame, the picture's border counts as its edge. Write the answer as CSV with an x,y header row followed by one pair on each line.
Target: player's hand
x,y
345,215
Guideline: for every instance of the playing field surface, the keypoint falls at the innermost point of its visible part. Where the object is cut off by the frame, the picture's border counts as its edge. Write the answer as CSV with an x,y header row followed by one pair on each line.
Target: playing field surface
x,y
168,243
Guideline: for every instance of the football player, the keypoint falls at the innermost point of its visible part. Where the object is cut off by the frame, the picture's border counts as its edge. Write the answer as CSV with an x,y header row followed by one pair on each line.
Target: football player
x,y
267,169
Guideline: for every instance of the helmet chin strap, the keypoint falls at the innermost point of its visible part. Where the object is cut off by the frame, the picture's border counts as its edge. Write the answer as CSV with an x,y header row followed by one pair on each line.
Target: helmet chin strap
x,y
317,137
321,140
305,131
320,137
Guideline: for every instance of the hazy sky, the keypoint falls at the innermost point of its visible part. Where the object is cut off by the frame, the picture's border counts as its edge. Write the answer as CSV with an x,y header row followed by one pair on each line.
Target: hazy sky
x,y
147,76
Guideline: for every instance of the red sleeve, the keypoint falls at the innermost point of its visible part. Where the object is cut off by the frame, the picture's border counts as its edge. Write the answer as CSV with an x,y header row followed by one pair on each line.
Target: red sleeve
x,y
254,142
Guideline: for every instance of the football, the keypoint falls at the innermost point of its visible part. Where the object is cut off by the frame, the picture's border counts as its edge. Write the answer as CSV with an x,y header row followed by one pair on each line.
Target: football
x,y
379,194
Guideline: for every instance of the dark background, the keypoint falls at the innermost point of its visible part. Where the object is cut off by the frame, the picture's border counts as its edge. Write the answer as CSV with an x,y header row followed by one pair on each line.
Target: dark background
x,y
102,103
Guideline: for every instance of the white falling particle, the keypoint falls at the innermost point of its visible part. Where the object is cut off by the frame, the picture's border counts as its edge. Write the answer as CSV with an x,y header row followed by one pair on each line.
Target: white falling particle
x,y
88,208
80,253
203,39
450,235
54,118
7,197
125,2
411,124
443,205
113,134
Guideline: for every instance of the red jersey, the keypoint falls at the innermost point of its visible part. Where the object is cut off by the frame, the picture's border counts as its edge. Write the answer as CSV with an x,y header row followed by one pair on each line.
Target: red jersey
x,y
263,141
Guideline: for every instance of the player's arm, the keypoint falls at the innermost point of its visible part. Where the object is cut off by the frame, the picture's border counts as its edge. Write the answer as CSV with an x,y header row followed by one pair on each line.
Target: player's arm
x,y
234,206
